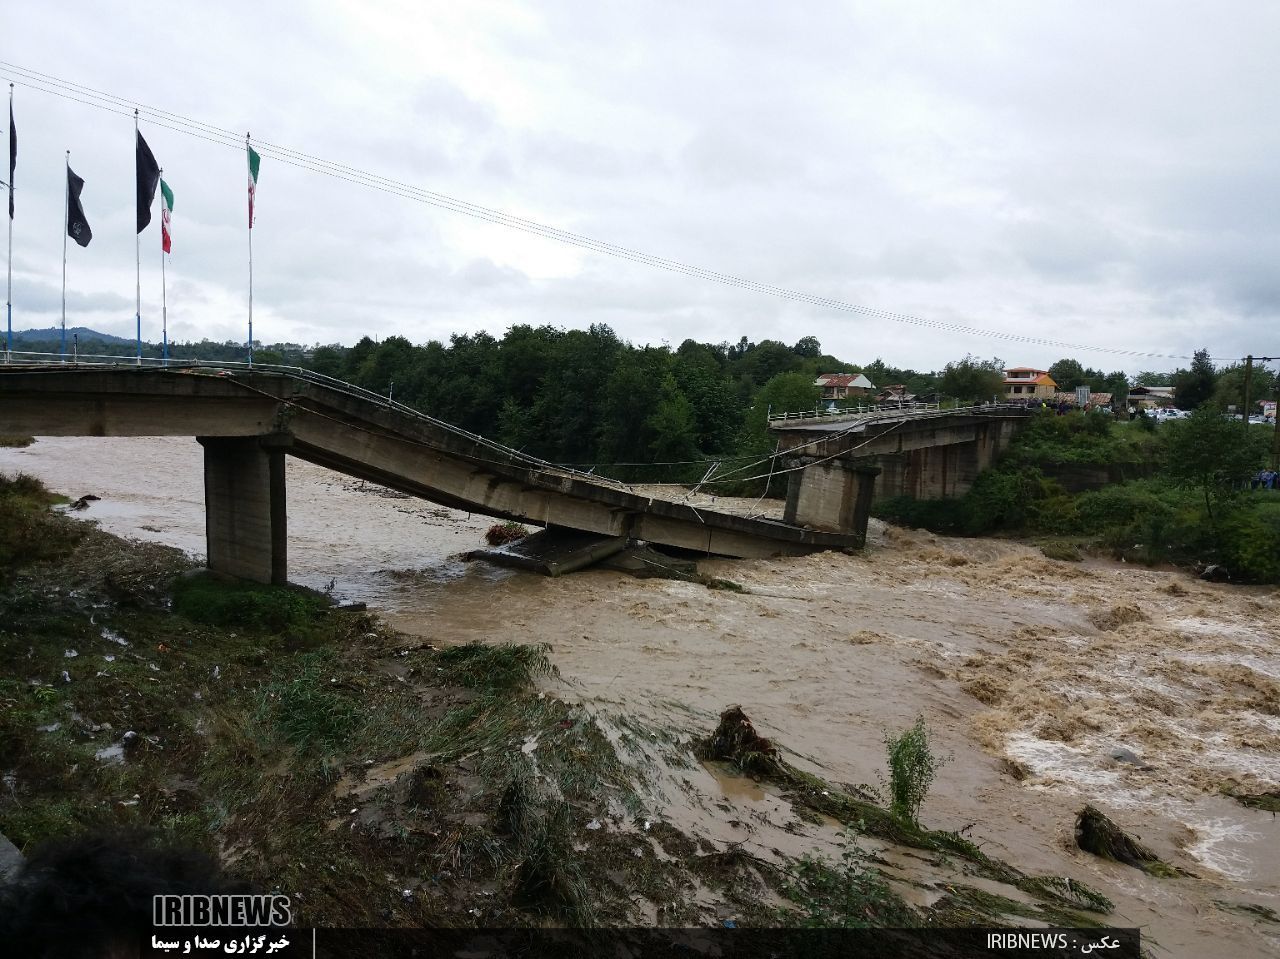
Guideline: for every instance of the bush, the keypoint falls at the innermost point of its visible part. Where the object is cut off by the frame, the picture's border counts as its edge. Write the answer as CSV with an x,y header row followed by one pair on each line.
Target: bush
x,y
269,609
845,895
1002,499
499,534
912,768
938,515
1249,540
28,532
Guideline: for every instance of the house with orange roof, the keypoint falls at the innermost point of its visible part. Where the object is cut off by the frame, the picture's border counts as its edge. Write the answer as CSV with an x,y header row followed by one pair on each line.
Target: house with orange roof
x,y
1025,383
840,386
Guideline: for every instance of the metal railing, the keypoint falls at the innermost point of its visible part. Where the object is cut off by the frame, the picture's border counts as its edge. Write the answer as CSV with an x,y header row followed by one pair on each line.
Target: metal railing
x,y
57,361
886,411
858,410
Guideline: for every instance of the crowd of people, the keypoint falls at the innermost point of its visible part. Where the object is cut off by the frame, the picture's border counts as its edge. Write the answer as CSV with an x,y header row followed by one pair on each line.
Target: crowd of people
x,y
1265,479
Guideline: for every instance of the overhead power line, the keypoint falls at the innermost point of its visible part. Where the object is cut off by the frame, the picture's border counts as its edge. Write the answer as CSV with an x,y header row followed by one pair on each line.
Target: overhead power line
x,y
179,123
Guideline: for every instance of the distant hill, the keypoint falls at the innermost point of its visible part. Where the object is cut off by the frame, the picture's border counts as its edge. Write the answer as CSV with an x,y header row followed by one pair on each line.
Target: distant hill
x,y
55,333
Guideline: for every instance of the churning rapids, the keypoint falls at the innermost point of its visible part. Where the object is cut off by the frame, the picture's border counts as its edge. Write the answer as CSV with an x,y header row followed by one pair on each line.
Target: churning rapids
x,y
1034,675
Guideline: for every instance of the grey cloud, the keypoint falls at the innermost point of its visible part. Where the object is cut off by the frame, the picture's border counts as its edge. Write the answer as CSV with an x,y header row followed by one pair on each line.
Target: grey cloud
x,y
37,297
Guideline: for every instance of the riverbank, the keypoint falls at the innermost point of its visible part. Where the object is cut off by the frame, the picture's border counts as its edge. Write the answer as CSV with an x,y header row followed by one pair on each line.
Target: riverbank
x,y
383,781
1030,673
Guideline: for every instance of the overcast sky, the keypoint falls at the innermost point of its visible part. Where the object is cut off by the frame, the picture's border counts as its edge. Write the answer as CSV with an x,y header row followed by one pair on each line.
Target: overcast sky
x,y
1098,173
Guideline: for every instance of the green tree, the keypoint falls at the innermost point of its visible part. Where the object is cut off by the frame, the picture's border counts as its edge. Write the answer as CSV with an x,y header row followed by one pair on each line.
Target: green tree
x,y
1212,454
972,379
714,404
1229,389
670,428
1068,374
328,360
1117,384
784,393
808,347
1194,387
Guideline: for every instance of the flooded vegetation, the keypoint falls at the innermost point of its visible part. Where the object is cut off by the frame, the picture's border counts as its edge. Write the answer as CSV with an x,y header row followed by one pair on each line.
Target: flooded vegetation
x,y
495,747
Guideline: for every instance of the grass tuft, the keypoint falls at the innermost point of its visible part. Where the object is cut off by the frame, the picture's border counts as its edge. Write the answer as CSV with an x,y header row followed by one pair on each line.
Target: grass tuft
x,y
235,604
307,712
506,666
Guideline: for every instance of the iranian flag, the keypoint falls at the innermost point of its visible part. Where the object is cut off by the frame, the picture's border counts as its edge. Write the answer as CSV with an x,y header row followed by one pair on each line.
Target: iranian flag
x,y
166,213
253,179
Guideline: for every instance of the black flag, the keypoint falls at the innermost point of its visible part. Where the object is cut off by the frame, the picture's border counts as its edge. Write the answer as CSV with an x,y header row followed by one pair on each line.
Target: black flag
x,y
148,177
77,225
13,156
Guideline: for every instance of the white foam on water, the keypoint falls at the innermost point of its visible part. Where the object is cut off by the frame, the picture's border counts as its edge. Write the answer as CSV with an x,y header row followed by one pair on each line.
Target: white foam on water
x,y
1268,667
1215,627
1212,848
1063,764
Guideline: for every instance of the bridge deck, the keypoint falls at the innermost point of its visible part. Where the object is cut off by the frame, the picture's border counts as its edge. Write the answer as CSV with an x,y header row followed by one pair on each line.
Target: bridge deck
x,y
370,437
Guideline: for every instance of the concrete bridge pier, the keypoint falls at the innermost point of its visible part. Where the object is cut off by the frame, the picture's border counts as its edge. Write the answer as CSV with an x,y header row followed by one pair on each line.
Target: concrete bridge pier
x,y
246,526
944,471
834,496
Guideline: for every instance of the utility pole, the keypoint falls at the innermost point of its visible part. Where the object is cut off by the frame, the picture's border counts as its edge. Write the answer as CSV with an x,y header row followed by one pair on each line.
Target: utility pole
x,y
1248,375
1275,438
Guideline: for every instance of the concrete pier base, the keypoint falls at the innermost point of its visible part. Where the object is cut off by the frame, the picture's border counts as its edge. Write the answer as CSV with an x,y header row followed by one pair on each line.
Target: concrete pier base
x,y
246,527
834,496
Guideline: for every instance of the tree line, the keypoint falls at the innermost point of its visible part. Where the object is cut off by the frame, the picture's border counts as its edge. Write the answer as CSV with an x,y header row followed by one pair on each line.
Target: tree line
x,y
590,398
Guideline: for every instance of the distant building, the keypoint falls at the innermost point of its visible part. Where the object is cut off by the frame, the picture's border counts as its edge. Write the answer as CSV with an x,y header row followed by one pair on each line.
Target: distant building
x,y
1096,400
895,393
1151,396
840,386
1024,383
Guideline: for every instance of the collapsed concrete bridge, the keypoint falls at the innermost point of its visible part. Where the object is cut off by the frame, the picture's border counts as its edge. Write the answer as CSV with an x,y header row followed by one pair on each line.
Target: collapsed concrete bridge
x,y
248,420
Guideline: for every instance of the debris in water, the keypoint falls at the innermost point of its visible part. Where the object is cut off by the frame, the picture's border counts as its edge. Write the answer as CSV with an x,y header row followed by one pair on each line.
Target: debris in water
x,y
736,740
1117,616
1122,755
1097,834
1268,800
499,534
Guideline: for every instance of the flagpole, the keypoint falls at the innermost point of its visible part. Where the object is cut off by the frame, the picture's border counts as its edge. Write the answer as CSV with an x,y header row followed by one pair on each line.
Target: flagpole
x,y
66,214
164,296
137,254
246,156
8,296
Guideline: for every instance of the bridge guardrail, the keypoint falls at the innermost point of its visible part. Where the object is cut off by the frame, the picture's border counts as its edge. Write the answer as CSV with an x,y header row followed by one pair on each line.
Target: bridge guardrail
x,y
72,360
854,411
873,413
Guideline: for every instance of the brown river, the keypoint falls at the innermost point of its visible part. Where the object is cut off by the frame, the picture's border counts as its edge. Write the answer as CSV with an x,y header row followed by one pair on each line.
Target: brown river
x,y
1049,684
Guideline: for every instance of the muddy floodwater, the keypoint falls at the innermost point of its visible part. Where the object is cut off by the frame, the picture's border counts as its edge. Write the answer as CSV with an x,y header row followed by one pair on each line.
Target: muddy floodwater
x,y
1048,684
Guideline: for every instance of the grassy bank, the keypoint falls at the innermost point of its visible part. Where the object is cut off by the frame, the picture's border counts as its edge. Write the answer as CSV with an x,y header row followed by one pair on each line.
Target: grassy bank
x,y
381,783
